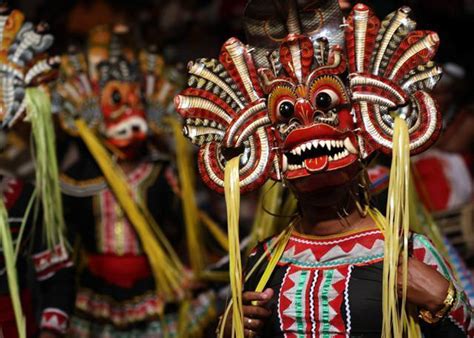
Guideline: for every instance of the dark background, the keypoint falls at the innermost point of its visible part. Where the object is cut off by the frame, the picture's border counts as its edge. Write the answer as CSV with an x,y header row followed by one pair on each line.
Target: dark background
x,y
187,29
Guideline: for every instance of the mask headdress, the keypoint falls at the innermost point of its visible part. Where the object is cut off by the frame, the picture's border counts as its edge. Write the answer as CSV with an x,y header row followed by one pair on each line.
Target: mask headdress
x,y
226,106
391,73
24,68
23,63
267,25
75,95
85,74
160,85
120,65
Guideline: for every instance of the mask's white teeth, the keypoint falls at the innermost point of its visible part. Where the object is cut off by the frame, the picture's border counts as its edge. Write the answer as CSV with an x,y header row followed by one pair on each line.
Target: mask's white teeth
x,y
309,145
315,143
330,158
303,147
349,146
328,144
284,163
298,150
293,151
333,143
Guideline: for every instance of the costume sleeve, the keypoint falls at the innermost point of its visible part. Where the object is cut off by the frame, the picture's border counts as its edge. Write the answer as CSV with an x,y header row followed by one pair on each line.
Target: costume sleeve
x,y
55,277
459,322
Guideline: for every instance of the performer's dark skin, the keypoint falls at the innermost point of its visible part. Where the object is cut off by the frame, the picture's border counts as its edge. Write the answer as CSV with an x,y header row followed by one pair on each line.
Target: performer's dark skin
x,y
317,195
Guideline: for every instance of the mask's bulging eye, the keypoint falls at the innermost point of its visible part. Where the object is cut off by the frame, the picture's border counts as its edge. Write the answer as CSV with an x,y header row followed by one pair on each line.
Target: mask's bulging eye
x,y
116,96
286,109
326,99
281,104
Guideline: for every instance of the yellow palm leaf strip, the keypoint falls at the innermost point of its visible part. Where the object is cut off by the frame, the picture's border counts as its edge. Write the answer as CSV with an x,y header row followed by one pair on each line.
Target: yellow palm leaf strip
x,y
413,328
223,321
168,277
280,248
188,198
161,237
12,278
219,235
268,206
232,198
272,246
183,320
215,276
396,234
46,165
26,216
378,218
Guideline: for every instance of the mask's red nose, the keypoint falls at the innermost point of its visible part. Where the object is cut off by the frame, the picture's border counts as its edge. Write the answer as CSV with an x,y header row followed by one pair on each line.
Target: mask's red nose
x,y
304,111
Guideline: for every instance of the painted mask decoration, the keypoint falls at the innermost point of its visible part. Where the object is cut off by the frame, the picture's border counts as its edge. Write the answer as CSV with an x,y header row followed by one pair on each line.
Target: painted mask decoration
x,y
112,89
308,94
23,60
124,124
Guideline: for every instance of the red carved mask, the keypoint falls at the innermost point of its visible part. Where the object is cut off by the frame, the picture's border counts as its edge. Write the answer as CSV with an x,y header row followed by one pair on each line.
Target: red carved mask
x,y
301,105
311,111
124,123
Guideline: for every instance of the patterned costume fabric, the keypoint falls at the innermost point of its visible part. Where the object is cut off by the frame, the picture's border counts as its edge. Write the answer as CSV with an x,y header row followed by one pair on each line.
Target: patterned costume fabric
x,y
329,287
117,295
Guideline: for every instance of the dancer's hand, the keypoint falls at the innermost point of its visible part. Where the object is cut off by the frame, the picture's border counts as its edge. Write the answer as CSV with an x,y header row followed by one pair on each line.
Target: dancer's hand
x,y
426,287
255,312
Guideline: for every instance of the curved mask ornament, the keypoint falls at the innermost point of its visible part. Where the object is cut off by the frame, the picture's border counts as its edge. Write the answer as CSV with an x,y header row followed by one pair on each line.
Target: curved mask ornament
x,y
24,62
317,99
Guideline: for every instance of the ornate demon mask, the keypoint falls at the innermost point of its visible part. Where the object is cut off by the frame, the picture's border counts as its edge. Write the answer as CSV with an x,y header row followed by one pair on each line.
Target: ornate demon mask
x,y
124,122
109,88
309,94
